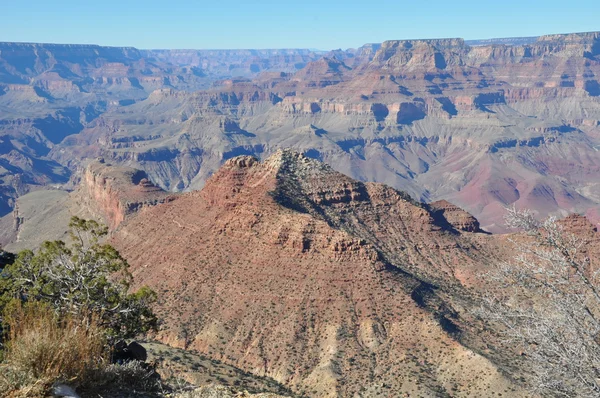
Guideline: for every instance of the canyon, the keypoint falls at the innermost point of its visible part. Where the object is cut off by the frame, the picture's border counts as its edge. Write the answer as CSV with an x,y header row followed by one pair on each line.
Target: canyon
x,y
483,124
325,223
49,92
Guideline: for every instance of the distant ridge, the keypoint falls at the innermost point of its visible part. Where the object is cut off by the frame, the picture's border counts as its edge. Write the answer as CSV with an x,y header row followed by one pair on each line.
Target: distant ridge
x,y
410,113
511,41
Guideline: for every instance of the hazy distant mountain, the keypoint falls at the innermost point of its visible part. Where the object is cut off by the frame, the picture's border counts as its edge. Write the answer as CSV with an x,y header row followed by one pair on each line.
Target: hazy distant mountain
x,y
509,41
51,91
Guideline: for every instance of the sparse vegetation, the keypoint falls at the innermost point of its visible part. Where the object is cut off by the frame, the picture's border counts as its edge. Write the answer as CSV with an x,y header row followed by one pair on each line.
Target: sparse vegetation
x,y
43,348
62,307
85,276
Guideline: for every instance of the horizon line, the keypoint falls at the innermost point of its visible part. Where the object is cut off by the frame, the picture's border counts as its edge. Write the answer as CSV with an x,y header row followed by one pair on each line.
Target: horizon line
x,y
289,48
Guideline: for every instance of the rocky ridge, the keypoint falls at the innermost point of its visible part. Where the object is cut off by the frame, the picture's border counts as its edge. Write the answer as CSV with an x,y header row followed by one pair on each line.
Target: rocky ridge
x,y
350,288
104,192
112,193
288,269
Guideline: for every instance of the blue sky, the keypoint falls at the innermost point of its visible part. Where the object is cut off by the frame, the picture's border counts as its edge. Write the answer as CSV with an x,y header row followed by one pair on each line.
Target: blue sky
x,y
284,24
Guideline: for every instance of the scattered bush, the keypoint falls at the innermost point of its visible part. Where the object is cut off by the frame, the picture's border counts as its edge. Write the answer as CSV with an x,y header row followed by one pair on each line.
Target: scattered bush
x,y
62,308
43,349
124,379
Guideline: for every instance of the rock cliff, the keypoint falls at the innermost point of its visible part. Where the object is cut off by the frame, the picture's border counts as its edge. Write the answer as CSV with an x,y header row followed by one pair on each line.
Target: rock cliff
x,y
112,193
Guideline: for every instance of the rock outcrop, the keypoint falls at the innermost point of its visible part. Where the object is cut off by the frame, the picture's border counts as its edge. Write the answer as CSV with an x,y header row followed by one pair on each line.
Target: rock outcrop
x,y
454,216
112,193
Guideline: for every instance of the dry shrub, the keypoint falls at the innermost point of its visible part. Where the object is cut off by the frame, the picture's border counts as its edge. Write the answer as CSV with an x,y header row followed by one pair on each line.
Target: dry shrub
x,y
43,348
125,379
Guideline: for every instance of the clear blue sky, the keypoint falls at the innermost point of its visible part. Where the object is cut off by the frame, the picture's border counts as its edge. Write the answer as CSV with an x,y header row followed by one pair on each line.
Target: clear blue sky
x,y
284,24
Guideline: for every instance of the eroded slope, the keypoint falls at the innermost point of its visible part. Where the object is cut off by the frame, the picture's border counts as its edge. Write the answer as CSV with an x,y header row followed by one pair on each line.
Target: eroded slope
x,y
289,269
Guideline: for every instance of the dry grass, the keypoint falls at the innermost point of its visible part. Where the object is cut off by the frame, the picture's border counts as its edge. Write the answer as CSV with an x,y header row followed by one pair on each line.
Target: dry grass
x,y
42,349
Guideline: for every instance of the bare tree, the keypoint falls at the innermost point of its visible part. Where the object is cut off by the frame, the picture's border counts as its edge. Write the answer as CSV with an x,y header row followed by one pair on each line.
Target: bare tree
x,y
549,306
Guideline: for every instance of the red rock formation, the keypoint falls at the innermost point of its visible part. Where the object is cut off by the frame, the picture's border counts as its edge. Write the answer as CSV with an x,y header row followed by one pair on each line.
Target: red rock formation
x,y
289,269
113,193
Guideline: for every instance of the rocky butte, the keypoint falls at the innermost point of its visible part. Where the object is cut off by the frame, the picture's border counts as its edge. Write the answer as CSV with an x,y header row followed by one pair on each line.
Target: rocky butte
x,y
335,287
287,269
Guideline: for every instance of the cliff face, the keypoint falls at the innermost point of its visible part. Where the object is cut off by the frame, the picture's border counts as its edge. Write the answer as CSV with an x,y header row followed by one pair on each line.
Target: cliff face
x,y
34,58
454,216
420,54
113,193
63,69
22,171
572,43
